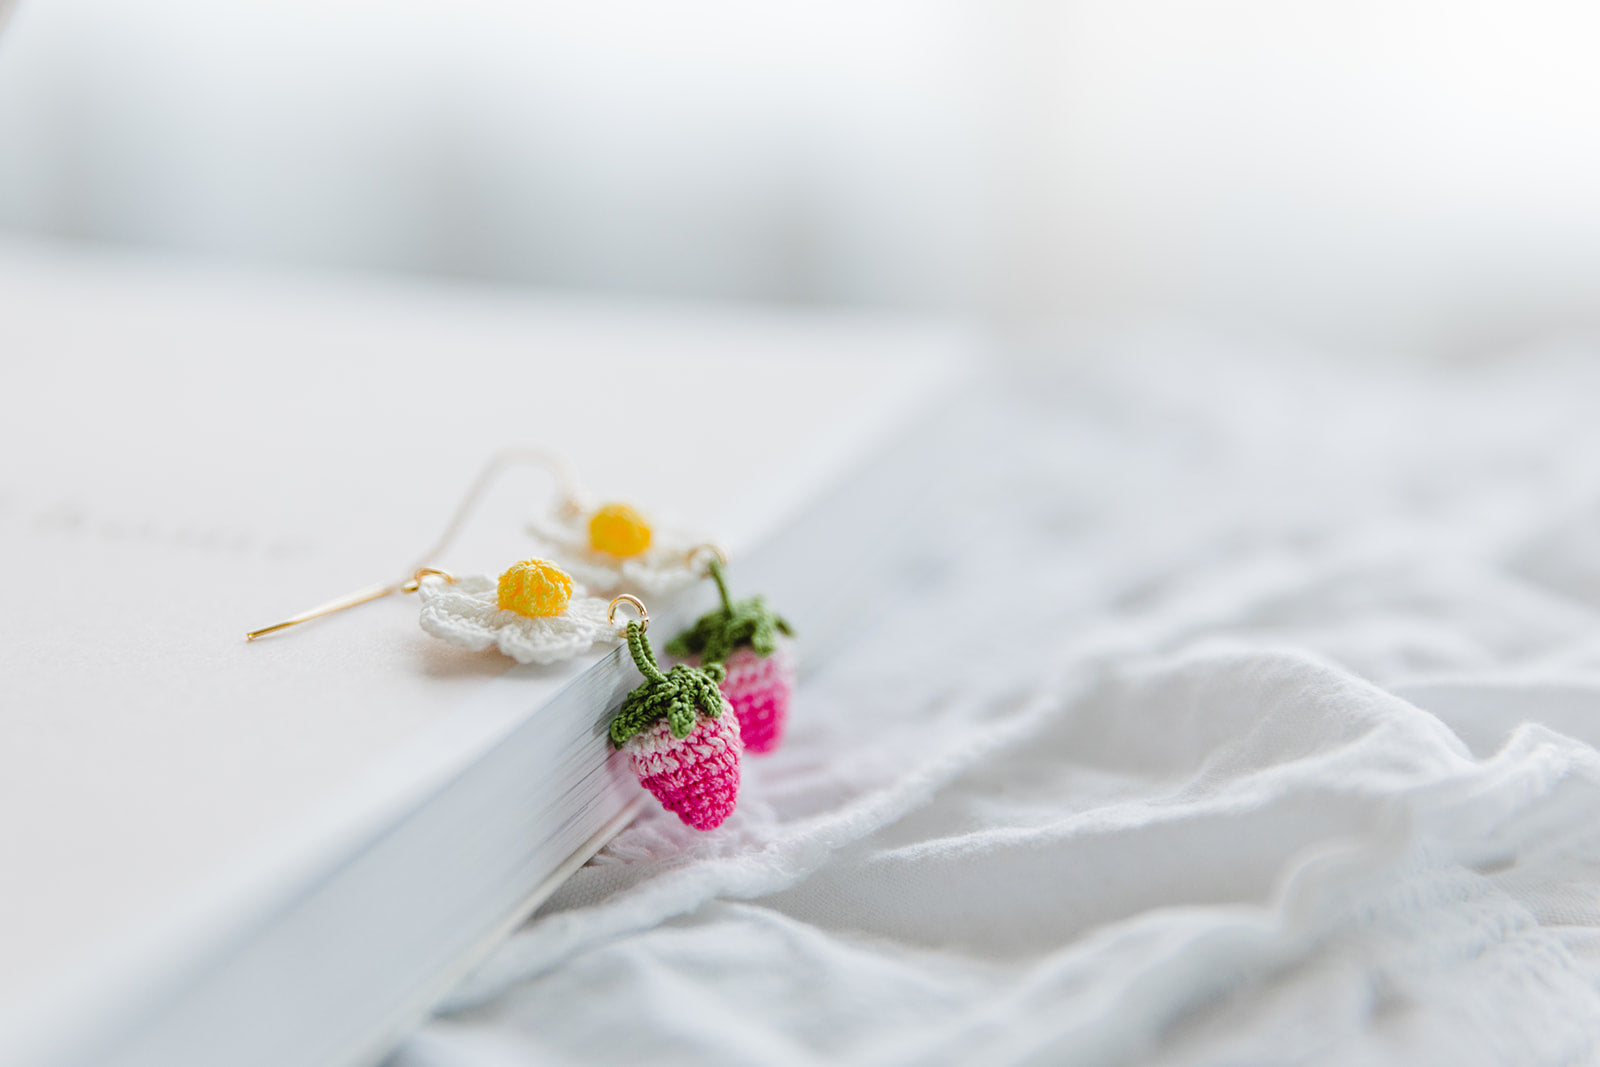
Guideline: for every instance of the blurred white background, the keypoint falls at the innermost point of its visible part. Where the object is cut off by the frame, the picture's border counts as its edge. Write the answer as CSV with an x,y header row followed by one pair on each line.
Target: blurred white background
x,y
1384,175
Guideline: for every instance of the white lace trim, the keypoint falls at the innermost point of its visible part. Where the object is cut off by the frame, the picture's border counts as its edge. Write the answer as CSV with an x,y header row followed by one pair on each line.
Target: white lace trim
x,y
467,613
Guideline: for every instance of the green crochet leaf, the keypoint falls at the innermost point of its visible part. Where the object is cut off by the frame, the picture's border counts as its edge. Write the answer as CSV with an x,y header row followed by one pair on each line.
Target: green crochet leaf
x,y
718,633
677,695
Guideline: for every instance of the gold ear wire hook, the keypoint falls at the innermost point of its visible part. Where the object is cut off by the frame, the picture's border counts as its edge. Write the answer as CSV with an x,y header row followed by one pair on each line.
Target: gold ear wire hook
x,y
556,465
350,600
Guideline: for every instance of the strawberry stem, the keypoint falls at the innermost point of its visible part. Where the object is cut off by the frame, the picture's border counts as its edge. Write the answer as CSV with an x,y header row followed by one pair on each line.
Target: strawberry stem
x,y
717,633
643,656
722,585
678,695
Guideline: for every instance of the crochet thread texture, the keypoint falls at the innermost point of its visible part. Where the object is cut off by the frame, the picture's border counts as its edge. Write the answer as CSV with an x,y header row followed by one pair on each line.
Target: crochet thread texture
x,y
758,688
744,623
676,695
696,777
534,588
467,613
660,569
680,743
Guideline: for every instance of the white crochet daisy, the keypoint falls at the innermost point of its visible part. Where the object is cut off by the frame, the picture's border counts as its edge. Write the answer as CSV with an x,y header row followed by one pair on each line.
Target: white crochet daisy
x,y
534,613
612,549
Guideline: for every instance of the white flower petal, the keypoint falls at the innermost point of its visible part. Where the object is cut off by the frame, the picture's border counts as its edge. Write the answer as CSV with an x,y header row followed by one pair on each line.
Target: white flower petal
x,y
662,568
467,614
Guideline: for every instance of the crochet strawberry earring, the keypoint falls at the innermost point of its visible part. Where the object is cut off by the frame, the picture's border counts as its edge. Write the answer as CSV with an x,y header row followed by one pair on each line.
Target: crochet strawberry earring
x,y
679,732
751,643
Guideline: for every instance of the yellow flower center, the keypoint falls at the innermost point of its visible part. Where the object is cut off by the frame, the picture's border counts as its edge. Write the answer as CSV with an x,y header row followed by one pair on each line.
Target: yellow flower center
x,y
535,588
619,530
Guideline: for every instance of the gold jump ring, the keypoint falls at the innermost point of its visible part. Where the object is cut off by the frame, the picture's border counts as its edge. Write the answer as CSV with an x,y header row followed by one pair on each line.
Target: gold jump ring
x,y
637,604
412,584
709,547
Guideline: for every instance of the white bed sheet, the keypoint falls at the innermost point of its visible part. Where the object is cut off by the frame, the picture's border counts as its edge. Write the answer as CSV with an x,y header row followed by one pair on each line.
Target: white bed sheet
x,y
1255,723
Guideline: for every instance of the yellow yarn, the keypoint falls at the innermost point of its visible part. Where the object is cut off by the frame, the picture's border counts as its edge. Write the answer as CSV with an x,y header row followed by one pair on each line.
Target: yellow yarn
x,y
619,530
535,588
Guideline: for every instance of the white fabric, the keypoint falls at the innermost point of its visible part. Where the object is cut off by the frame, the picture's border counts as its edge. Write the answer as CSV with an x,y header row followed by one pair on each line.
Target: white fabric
x,y
1256,725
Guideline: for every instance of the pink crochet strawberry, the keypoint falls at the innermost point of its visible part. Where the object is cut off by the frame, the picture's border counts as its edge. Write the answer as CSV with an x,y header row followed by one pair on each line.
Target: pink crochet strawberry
x,y
680,737
749,640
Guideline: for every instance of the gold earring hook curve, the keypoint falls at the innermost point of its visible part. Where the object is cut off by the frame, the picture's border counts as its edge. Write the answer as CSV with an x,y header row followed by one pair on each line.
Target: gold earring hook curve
x,y
350,600
553,463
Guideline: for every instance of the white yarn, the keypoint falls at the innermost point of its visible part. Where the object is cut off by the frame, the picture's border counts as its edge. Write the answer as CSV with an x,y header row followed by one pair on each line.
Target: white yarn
x,y
662,568
467,613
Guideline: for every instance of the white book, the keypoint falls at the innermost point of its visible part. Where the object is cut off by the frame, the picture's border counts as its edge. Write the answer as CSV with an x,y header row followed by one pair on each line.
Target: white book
x,y
283,852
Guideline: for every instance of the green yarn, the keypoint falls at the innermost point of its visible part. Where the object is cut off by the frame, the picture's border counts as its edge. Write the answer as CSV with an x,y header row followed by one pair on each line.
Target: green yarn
x,y
674,695
717,633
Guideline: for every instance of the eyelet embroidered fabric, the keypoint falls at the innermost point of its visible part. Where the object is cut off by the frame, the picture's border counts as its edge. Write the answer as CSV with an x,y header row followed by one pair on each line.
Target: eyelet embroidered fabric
x,y
1263,728
467,614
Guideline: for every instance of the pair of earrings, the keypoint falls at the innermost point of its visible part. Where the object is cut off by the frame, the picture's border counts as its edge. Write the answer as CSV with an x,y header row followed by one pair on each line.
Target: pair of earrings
x,y
684,729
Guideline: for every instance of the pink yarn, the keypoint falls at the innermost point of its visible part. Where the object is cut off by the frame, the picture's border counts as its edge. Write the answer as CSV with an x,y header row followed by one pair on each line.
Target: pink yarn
x,y
758,688
695,777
